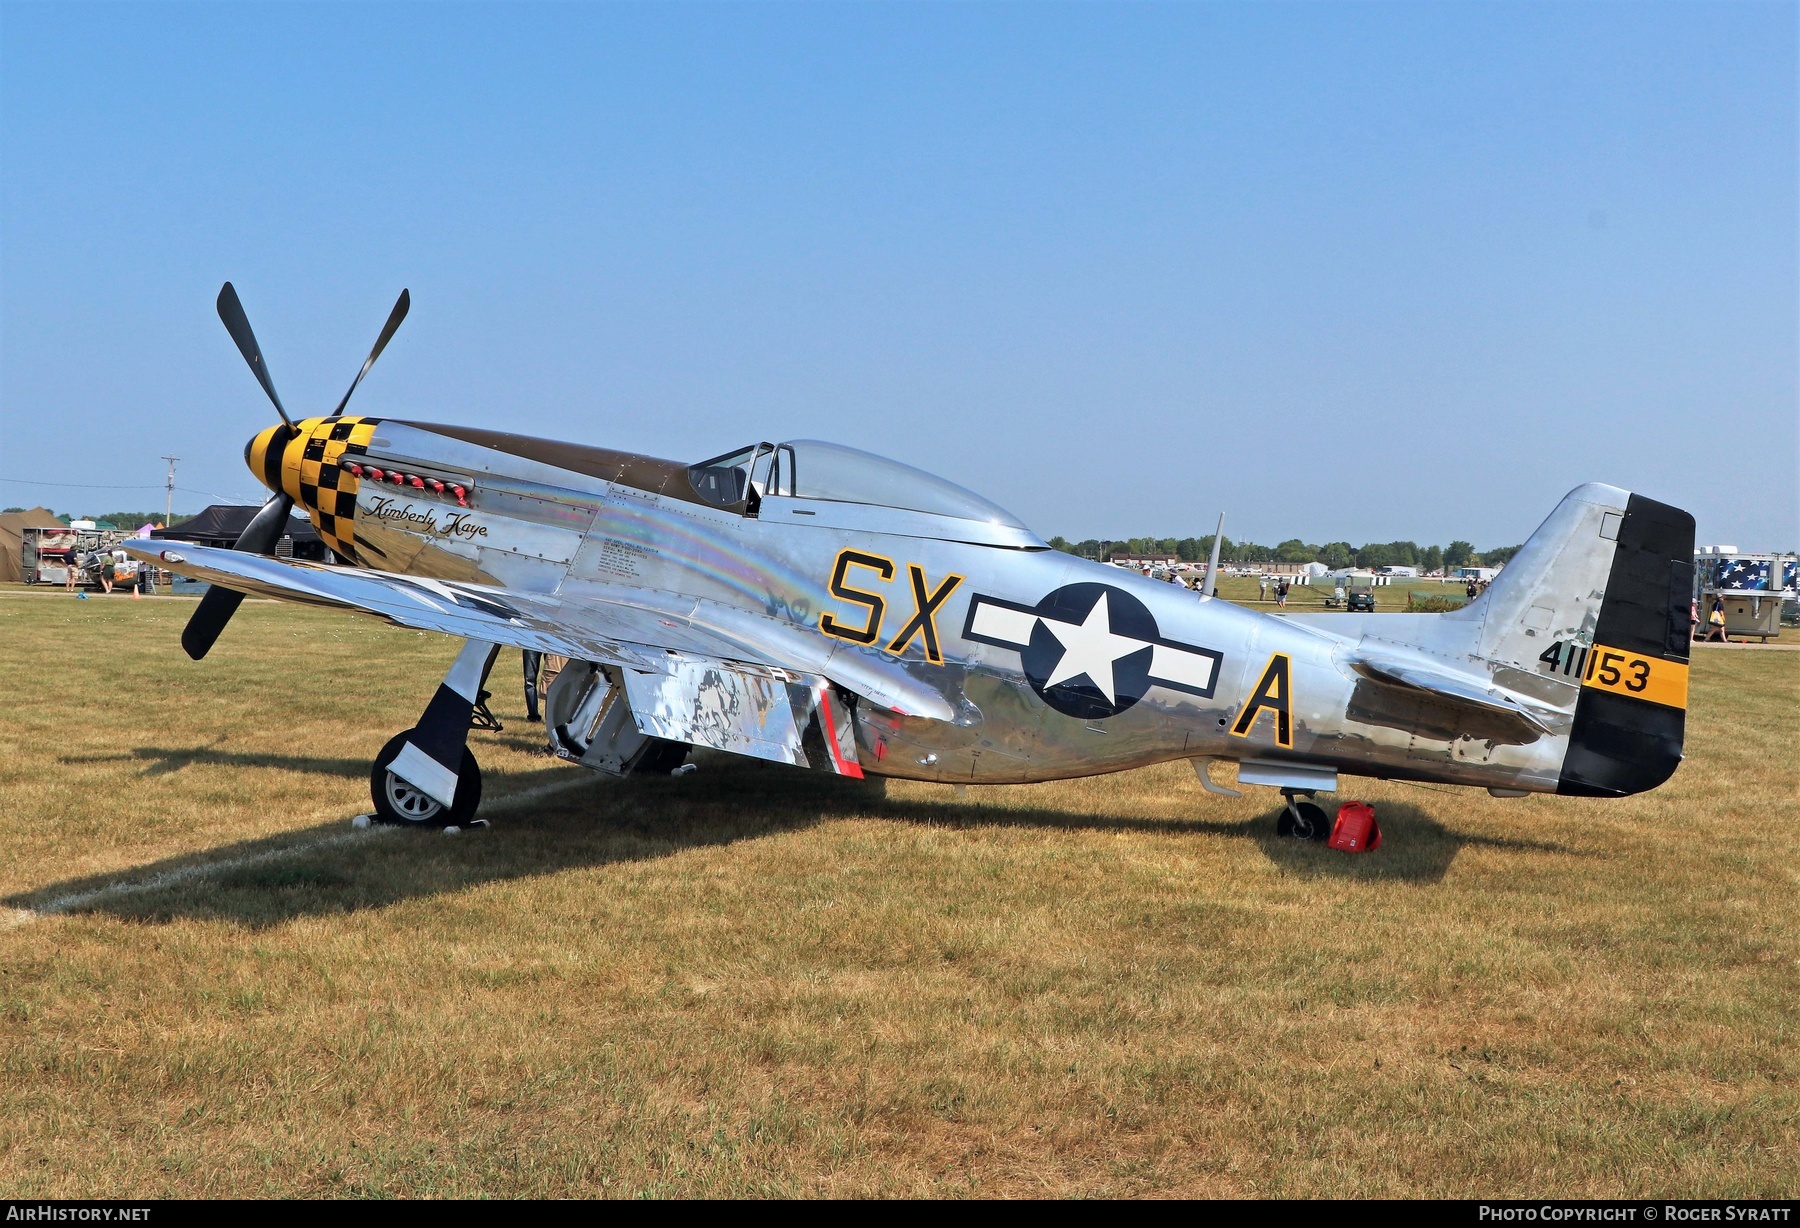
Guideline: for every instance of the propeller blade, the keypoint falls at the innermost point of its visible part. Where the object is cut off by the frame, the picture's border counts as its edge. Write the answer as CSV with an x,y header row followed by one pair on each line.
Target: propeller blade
x,y
238,325
208,620
264,529
401,305
216,608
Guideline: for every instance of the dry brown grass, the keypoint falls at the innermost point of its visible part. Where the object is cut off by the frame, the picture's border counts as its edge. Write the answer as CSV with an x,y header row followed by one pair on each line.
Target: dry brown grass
x,y
755,981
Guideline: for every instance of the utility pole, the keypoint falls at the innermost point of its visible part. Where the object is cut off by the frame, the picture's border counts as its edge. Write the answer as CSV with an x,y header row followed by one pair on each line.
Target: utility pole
x,y
169,504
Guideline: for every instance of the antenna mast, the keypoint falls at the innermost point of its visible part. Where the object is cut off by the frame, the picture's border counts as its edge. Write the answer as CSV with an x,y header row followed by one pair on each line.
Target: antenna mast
x,y
1211,584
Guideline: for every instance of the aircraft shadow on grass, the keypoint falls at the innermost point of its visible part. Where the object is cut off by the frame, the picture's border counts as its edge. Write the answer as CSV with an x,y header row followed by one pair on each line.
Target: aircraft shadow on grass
x,y
164,760
328,870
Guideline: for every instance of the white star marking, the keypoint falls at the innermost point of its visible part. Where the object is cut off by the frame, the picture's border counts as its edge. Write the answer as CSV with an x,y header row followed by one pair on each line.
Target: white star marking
x,y
1090,649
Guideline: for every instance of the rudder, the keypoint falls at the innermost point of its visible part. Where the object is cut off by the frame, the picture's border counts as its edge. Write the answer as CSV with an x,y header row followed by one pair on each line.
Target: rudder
x,y
1630,718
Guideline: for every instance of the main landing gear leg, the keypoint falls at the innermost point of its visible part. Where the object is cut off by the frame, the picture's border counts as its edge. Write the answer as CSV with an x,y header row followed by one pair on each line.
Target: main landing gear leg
x,y
1304,820
427,776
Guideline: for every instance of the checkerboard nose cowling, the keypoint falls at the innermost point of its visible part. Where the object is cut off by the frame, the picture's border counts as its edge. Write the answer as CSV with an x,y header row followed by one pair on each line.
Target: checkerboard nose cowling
x,y
307,461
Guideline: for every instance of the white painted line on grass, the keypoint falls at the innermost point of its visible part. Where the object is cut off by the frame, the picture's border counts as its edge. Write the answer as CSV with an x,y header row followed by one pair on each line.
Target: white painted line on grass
x,y
542,791
81,899
76,900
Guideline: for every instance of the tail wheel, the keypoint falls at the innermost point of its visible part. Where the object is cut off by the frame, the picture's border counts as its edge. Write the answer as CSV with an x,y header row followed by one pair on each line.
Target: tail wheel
x,y
401,804
1311,823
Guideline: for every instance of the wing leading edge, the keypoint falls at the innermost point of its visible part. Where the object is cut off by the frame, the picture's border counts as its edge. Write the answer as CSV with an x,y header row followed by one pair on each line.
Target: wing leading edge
x,y
627,627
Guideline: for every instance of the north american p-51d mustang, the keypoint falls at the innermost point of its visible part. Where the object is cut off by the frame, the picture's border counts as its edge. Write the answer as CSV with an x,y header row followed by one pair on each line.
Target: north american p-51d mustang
x,y
815,605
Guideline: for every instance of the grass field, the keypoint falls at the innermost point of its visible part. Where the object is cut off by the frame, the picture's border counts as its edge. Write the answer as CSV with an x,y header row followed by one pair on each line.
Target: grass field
x,y
760,981
1389,598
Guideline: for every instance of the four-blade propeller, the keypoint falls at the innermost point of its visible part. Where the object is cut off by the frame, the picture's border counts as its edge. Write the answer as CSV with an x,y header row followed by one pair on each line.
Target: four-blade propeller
x,y
219,604
401,306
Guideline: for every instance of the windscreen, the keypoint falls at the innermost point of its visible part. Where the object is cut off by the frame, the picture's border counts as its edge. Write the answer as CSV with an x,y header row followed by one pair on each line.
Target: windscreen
x,y
723,481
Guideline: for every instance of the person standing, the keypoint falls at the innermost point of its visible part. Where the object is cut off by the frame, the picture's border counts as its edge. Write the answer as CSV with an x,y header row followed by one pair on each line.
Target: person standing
x,y
533,660
72,573
1262,588
1715,622
1693,620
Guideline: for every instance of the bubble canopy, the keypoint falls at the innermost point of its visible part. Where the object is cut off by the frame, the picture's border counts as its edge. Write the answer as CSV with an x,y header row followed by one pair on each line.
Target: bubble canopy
x,y
814,469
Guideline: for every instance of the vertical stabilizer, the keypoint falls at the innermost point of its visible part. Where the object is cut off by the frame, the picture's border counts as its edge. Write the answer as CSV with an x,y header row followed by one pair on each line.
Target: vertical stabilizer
x,y
1551,591
1598,600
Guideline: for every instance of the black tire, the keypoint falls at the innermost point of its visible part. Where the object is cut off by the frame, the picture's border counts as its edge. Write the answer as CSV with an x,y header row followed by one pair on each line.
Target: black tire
x,y
1313,824
402,805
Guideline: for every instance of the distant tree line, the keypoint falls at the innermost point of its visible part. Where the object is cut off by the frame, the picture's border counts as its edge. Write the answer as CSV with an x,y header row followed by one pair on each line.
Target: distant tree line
x,y
131,520
119,520
1332,554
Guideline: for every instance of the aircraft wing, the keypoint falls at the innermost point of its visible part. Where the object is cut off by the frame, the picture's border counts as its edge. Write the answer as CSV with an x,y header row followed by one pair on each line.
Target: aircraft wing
x,y
641,630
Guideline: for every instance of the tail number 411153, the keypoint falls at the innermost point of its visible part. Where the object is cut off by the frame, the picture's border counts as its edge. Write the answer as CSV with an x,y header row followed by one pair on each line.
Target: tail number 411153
x,y
1654,679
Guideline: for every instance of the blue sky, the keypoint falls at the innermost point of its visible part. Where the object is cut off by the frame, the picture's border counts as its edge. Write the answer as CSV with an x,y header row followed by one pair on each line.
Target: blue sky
x,y
1345,272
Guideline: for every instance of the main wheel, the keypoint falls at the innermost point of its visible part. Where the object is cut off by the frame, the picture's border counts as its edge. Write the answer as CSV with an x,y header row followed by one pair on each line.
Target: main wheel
x,y
1312,824
399,803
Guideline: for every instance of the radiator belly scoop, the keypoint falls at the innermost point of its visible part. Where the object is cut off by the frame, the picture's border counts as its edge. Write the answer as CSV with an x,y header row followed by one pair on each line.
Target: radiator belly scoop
x,y
611,718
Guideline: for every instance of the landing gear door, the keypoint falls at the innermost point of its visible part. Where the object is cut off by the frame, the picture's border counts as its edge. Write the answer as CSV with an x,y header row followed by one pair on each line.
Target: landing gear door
x,y
589,720
829,737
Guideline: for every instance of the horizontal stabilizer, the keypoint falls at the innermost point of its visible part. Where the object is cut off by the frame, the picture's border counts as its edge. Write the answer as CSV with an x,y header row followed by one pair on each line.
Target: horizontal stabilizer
x,y
1445,685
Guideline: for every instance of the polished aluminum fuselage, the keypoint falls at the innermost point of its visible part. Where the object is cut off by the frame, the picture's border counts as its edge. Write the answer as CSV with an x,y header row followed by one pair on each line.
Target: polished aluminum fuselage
x,y
549,525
